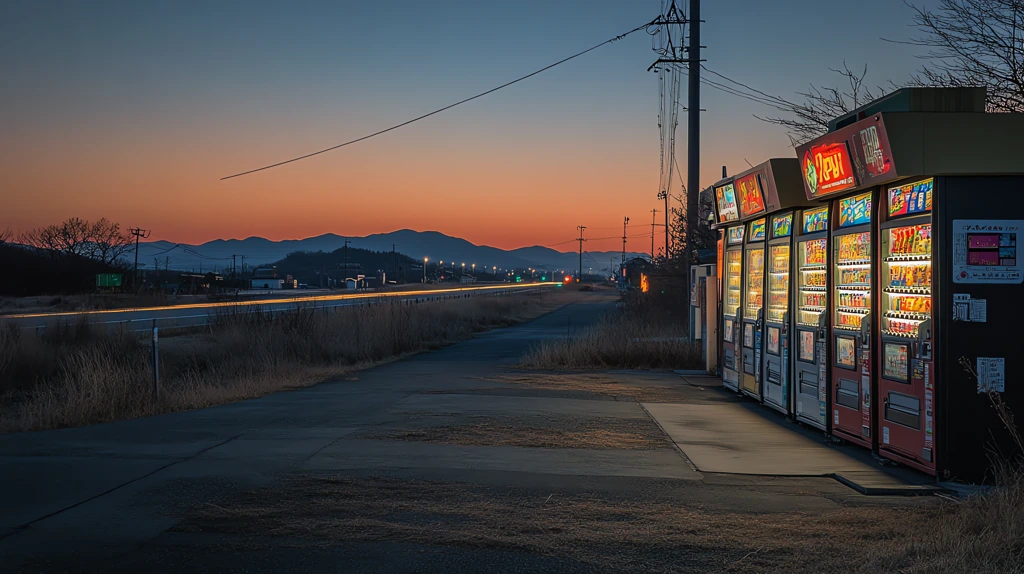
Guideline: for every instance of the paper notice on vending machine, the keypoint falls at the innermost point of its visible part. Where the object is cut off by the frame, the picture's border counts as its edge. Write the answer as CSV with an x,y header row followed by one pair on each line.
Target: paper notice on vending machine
x,y
991,374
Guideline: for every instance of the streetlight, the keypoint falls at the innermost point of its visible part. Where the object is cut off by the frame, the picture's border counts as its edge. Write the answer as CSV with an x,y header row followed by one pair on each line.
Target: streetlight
x,y
425,269
474,270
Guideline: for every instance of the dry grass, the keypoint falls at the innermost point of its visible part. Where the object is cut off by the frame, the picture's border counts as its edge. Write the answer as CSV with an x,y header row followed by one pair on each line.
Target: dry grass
x,y
540,432
640,335
659,533
74,375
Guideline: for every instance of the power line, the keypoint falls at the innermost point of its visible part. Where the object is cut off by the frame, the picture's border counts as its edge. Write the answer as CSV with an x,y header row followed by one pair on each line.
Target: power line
x,y
437,111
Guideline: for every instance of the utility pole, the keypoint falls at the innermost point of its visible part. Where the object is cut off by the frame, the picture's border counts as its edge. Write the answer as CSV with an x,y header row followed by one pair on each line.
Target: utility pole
x,y
234,270
693,132
654,219
139,234
664,195
673,54
625,220
345,273
582,228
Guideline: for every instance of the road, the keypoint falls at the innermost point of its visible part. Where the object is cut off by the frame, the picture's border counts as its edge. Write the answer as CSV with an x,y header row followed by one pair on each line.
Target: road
x,y
197,314
451,461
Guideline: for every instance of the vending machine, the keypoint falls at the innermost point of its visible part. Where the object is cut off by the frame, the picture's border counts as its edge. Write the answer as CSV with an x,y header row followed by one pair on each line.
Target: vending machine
x,y
731,300
762,199
811,349
926,192
777,352
905,366
851,307
753,303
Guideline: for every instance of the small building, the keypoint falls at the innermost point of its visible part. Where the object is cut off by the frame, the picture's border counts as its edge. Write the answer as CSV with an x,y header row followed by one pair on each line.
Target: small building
x,y
266,284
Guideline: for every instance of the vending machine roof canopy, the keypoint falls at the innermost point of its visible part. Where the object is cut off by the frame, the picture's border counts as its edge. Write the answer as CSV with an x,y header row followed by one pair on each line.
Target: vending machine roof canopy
x,y
765,188
894,145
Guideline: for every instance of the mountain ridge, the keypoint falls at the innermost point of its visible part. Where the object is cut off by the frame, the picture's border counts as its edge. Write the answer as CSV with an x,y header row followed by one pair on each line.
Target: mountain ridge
x,y
435,245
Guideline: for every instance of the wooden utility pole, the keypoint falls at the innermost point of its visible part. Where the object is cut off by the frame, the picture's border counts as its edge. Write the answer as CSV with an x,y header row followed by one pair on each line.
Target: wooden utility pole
x,y
654,219
139,234
625,221
582,228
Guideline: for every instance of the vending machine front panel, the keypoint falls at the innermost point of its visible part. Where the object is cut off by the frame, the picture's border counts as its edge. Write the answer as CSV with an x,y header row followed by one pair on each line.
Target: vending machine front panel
x,y
906,372
777,362
851,319
753,301
732,299
811,319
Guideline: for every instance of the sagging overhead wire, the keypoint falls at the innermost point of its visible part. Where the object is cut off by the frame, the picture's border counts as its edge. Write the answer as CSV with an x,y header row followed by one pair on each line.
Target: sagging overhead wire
x,y
448,107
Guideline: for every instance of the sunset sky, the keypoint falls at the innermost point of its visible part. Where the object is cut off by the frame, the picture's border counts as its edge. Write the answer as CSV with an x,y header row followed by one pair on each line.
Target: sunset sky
x,y
133,110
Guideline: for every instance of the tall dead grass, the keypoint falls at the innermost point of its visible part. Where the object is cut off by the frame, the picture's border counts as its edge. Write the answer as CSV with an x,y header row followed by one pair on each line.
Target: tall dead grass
x,y
73,374
641,334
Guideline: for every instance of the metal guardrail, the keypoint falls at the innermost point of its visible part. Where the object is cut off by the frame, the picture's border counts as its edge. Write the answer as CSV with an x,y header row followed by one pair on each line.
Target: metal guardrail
x,y
147,324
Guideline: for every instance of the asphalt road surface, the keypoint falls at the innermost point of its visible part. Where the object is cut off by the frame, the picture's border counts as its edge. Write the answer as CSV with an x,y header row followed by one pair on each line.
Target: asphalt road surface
x,y
451,461
197,314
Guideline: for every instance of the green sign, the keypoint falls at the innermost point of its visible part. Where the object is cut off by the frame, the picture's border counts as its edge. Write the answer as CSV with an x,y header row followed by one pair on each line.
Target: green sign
x,y
108,280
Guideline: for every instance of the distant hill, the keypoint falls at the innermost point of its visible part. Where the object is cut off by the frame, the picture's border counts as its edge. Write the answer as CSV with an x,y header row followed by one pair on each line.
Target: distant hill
x,y
414,244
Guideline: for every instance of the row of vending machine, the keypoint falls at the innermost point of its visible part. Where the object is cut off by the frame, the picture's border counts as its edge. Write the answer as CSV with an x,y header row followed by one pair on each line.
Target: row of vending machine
x,y
870,287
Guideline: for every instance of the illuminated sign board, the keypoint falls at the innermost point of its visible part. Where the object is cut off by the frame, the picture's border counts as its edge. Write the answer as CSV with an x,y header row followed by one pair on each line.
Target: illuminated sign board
x,y
911,198
726,198
852,157
751,196
816,220
782,225
735,235
855,210
757,230
828,169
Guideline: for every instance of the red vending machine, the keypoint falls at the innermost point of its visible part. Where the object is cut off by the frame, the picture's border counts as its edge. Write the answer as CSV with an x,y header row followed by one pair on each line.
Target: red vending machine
x,y
851,311
811,364
905,366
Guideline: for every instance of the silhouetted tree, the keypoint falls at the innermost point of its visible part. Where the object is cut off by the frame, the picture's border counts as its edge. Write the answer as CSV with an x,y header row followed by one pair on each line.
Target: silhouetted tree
x,y
809,119
101,241
974,43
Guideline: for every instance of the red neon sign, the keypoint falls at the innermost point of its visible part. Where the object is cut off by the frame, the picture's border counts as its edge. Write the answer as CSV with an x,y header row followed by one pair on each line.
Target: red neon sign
x,y
751,197
828,169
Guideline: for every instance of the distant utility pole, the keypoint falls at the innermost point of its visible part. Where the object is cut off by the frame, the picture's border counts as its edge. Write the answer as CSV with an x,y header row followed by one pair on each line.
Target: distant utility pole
x,y
654,216
582,228
664,195
345,273
625,220
234,270
139,234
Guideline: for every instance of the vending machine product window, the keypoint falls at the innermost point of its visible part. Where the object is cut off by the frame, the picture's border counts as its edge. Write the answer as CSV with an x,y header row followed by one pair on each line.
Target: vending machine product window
x,y
846,352
807,346
852,297
755,283
727,332
907,269
811,281
774,334
778,283
895,362
733,266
